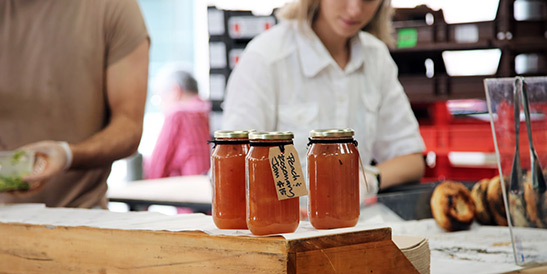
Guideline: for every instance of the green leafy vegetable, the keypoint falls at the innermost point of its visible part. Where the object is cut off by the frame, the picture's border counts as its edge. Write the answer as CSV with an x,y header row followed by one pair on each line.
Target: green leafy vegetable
x,y
17,156
12,184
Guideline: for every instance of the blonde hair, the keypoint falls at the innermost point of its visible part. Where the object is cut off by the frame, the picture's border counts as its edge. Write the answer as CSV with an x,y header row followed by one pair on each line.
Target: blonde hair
x,y
305,11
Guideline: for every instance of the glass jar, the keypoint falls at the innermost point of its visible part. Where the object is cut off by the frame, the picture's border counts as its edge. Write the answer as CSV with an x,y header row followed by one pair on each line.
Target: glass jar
x,y
266,214
228,175
333,173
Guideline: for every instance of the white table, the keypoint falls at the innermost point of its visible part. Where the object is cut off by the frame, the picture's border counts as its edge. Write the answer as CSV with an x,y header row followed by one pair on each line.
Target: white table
x,y
194,192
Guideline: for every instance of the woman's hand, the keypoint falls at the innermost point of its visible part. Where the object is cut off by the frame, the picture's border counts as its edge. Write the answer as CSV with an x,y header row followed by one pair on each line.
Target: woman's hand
x,y
368,186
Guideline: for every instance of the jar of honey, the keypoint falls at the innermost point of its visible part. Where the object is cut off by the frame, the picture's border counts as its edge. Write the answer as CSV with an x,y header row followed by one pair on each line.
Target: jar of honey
x,y
333,173
266,214
228,175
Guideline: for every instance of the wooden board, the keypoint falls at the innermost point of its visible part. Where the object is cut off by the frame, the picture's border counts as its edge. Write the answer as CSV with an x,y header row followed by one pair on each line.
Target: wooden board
x,y
26,248
531,270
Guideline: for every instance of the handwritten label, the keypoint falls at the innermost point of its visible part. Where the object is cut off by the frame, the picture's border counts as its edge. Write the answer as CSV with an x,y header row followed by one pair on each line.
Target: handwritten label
x,y
287,173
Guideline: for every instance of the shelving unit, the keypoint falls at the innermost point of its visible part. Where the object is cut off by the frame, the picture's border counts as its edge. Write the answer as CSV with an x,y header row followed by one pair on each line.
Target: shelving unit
x,y
229,33
423,35
419,41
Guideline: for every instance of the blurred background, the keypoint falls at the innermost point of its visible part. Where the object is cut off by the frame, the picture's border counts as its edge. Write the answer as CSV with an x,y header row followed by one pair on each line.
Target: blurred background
x,y
444,50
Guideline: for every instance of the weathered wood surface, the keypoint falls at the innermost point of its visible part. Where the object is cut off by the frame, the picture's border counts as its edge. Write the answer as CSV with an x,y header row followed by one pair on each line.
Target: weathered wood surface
x,y
372,257
26,248
531,270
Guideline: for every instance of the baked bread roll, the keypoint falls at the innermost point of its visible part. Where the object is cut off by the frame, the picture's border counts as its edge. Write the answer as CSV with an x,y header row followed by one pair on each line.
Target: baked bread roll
x,y
543,203
494,196
517,208
478,193
452,206
532,199
543,208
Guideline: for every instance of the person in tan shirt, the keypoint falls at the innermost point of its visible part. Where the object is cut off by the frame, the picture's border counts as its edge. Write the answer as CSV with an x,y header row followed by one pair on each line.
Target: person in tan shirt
x,y
73,79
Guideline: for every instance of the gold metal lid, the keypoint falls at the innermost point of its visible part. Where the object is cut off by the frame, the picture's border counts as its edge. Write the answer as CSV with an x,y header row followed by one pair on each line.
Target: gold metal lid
x,y
346,132
271,135
232,134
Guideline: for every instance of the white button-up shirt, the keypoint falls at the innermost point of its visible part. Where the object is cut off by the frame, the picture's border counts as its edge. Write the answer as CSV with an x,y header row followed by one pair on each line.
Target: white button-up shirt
x,y
286,80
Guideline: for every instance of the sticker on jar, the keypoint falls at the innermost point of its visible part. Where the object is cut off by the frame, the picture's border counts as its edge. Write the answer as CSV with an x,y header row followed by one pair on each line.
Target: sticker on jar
x,y
287,172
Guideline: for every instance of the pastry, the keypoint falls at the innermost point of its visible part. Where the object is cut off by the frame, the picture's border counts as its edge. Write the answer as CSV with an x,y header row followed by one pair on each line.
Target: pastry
x,y
532,199
494,196
517,208
452,206
543,208
478,193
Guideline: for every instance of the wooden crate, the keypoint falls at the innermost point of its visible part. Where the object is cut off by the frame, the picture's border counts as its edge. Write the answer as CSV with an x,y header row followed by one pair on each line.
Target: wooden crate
x,y
28,248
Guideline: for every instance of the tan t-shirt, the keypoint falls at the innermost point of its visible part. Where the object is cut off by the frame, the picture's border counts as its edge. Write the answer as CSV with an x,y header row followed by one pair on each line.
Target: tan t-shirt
x,y
53,60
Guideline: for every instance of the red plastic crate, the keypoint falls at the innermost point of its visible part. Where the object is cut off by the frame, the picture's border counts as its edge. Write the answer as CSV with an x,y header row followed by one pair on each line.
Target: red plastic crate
x,y
445,133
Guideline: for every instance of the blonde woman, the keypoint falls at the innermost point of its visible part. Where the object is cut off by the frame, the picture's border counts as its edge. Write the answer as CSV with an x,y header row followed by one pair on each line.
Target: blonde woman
x,y
318,69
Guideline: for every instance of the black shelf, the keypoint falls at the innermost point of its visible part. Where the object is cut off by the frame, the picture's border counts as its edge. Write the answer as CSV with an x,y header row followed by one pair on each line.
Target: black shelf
x,y
428,40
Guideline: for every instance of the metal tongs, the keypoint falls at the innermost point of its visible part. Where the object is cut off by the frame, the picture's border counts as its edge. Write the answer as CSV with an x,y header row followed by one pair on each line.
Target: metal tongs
x,y
516,169
536,171
518,192
517,205
538,180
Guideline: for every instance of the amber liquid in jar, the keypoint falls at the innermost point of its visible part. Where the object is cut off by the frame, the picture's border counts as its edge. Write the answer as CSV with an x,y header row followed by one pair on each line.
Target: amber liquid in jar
x,y
228,175
333,173
266,214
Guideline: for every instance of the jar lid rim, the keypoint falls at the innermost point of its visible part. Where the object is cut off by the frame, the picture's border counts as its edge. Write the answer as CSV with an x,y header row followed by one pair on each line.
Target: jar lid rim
x,y
332,132
231,134
271,135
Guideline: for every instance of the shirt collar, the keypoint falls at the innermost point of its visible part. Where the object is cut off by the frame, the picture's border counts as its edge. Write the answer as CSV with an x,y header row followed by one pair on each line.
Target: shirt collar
x,y
315,57
357,59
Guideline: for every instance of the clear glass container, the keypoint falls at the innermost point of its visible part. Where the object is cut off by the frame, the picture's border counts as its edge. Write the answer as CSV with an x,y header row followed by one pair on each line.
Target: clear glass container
x,y
333,173
266,214
14,165
523,183
228,175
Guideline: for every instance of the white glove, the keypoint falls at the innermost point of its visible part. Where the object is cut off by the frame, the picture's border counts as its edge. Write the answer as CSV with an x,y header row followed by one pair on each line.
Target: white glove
x,y
51,158
368,183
